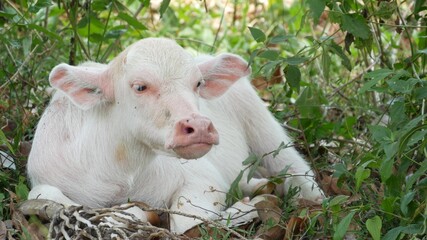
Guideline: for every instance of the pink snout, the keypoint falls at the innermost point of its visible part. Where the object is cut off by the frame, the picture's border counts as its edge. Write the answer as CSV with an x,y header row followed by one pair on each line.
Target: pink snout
x,y
193,137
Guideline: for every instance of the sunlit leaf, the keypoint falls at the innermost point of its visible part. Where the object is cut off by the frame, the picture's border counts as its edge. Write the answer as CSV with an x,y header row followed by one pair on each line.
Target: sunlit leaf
x,y
361,175
50,34
132,21
21,189
374,226
3,140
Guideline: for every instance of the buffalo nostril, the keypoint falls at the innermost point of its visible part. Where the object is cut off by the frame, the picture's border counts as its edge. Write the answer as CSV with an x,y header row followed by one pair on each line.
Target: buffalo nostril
x,y
211,128
189,130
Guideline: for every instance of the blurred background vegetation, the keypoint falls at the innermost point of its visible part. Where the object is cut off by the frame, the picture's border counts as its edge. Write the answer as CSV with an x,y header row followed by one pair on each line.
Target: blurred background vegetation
x,y
346,78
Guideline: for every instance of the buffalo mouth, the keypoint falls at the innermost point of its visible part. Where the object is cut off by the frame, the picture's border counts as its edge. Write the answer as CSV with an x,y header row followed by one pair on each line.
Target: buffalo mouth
x,y
193,151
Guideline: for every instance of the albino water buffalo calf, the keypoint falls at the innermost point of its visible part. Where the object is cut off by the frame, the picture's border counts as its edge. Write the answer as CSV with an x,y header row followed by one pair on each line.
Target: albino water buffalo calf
x,y
127,131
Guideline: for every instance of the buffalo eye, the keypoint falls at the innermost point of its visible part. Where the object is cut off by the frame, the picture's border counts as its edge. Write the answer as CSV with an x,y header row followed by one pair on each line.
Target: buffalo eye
x,y
199,83
139,88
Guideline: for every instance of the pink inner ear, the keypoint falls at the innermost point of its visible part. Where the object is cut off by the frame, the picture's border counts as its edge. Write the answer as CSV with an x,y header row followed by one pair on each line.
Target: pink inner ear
x,y
57,75
80,82
220,73
215,88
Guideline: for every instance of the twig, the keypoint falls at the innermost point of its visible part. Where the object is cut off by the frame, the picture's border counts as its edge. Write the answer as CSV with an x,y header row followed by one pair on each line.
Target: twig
x,y
110,49
219,27
15,75
337,90
216,224
412,54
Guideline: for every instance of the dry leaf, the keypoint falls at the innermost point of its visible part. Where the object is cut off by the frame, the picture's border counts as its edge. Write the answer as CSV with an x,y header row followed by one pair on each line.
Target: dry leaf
x,y
295,226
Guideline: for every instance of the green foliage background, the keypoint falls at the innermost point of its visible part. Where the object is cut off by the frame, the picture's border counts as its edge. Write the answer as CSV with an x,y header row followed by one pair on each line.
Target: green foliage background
x,y
348,79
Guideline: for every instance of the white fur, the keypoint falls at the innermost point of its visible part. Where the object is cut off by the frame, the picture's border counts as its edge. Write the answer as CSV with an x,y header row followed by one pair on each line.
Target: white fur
x,y
112,149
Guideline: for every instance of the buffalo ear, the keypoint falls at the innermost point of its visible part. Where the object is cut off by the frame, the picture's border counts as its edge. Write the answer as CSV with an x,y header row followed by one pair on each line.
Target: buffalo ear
x,y
86,86
220,73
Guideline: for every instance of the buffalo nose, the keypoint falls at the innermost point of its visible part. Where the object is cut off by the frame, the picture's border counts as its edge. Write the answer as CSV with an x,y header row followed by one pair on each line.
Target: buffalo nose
x,y
195,126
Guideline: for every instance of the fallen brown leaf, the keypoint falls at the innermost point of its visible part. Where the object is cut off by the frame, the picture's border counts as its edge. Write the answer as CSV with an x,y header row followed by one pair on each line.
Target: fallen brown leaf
x,y
295,226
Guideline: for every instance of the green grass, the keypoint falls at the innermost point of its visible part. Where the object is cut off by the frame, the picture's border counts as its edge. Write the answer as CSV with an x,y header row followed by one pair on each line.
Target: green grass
x,y
343,68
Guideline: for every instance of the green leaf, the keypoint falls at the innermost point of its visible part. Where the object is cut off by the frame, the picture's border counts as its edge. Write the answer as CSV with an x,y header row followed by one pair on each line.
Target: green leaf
x,y
310,101
235,193
380,133
293,77
163,7
418,7
336,49
374,226
295,60
253,55
7,15
257,34
132,21
280,39
405,202
342,226
3,140
39,5
45,31
326,62
403,86
361,175
252,170
316,7
280,148
21,189
393,234
376,76
356,25
390,149
385,9
397,113
284,172
269,54
338,200
251,159
269,67
145,2
386,169
420,93
410,229
388,204
379,73
416,175
416,137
